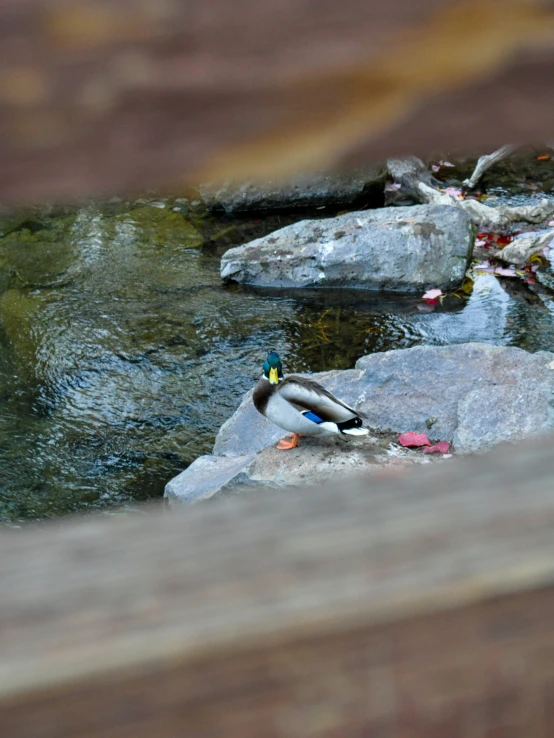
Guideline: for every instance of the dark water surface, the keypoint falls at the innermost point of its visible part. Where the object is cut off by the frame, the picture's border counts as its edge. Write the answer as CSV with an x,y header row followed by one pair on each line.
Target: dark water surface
x,y
121,353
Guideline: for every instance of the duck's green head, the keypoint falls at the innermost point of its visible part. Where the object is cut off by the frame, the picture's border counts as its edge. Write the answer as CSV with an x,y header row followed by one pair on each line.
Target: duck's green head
x,y
273,369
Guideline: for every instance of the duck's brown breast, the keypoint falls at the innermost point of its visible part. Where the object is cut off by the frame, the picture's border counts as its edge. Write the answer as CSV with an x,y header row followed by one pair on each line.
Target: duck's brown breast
x,y
262,392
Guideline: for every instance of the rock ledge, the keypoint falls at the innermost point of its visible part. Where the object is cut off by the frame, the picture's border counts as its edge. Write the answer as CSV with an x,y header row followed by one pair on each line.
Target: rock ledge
x,y
472,395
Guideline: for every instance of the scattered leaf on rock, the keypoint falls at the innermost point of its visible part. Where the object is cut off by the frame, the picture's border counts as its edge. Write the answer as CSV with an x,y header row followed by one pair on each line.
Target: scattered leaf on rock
x,y
432,294
466,289
486,239
454,192
504,240
505,272
442,447
413,439
499,271
432,297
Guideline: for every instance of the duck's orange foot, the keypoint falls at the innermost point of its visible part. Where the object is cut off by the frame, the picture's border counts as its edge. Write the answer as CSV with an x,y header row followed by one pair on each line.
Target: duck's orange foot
x,y
285,445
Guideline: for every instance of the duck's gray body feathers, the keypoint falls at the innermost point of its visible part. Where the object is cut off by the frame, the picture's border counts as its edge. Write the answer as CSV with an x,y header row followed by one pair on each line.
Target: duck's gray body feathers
x,y
286,403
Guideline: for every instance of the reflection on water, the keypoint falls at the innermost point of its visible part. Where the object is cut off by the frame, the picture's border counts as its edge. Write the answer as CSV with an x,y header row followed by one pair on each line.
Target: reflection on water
x,y
121,353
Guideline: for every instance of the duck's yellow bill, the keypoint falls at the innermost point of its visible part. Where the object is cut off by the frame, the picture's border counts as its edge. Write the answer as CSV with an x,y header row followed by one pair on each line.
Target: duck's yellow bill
x,y
273,376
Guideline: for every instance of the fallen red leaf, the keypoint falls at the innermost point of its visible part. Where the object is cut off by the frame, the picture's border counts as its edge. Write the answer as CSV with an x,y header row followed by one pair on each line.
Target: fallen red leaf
x,y
431,297
485,239
442,447
543,157
432,294
413,439
504,240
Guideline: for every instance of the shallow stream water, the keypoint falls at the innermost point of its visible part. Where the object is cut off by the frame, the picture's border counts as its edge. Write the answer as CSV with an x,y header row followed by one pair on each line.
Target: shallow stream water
x,y
122,353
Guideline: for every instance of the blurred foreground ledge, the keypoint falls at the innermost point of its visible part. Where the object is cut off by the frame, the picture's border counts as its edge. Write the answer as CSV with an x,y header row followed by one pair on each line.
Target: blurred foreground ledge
x,y
418,604
102,97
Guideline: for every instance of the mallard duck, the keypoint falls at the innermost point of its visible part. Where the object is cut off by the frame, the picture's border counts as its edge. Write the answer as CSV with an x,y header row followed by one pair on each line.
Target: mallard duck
x,y
302,406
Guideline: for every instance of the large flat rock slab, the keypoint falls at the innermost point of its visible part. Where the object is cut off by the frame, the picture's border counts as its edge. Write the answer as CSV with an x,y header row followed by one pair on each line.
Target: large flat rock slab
x,y
394,249
472,395
314,461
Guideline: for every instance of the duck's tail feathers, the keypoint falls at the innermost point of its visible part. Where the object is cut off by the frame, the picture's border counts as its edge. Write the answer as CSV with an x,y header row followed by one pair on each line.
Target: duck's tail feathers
x,y
352,427
356,432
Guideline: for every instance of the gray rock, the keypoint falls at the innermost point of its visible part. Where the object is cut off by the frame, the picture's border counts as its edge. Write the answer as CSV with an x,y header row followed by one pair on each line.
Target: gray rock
x,y
394,249
524,246
474,395
314,462
246,428
206,476
402,389
489,415
319,189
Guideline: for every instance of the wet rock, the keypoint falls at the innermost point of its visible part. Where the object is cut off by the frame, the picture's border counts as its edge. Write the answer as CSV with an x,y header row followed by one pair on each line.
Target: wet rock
x,y
13,220
162,226
319,189
393,249
472,395
524,246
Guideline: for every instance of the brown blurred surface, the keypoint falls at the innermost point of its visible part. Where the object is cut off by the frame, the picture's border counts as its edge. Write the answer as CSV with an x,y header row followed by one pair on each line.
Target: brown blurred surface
x,y
392,604
106,96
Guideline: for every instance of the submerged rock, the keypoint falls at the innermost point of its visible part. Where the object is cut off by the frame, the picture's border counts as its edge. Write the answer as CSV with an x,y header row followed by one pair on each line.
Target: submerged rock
x,y
321,189
472,395
393,249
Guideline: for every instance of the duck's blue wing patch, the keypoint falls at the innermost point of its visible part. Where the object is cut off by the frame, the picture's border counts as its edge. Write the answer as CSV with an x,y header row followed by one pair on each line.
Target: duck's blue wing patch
x,y
313,417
